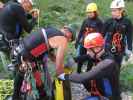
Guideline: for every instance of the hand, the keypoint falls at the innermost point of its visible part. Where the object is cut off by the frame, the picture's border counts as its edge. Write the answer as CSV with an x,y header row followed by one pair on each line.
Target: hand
x,y
35,12
1,5
61,76
128,54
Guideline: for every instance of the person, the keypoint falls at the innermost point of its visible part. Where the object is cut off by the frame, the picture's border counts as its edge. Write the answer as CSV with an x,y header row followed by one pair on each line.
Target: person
x,y
91,24
102,80
118,32
13,21
1,5
13,14
42,41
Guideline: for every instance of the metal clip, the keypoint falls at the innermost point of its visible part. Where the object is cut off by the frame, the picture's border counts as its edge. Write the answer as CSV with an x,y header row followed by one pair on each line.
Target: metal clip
x,y
113,49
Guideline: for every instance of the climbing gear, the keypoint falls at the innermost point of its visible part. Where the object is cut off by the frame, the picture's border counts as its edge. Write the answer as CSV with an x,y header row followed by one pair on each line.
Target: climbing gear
x,y
59,94
117,4
94,90
91,7
46,38
29,84
42,47
93,40
116,43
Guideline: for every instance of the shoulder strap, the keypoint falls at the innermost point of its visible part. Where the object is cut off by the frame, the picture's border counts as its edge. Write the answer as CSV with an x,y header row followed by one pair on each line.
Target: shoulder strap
x,y
45,36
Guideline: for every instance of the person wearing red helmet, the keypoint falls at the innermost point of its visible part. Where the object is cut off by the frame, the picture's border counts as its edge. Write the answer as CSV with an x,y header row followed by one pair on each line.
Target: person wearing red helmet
x,y
102,80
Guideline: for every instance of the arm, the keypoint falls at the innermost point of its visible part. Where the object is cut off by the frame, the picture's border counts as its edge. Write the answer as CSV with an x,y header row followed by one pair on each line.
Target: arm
x,y
129,33
104,69
100,26
81,31
83,58
60,43
105,28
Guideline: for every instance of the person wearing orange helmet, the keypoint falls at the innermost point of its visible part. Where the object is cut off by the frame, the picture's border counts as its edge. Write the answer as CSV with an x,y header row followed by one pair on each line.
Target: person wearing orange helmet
x,y
102,80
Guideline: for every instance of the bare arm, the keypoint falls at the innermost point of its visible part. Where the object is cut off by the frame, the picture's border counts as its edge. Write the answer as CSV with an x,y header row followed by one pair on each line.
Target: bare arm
x,y
60,43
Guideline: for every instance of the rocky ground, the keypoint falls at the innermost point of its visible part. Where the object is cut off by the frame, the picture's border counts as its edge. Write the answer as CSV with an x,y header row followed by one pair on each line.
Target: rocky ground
x,y
79,93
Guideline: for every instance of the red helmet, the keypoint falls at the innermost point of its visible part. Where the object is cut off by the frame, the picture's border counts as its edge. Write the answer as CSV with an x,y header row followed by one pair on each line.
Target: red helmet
x,y
93,40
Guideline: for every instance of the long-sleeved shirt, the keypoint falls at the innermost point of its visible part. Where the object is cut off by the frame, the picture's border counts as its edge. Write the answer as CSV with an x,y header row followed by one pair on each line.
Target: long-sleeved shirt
x,y
123,28
11,15
88,26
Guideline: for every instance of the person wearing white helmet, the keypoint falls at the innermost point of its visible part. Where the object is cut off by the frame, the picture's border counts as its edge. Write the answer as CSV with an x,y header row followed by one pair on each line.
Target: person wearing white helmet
x,y
118,32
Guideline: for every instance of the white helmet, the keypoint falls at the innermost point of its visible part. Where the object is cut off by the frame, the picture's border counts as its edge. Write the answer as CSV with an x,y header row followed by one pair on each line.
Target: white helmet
x,y
117,4
31,1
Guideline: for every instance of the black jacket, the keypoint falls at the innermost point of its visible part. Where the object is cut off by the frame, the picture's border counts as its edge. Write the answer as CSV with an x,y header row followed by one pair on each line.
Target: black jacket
x,y
11,15
122,26
96,24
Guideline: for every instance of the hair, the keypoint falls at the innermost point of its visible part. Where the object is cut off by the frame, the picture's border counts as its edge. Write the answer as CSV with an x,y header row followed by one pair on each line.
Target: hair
x,y
124,13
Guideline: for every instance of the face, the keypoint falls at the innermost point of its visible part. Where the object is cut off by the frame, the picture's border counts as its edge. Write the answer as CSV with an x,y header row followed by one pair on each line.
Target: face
x,y
94,51
67,33
116,13
27,5
91,14
1,5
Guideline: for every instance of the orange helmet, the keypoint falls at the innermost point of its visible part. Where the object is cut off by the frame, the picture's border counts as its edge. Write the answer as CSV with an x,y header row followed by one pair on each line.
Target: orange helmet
x,y
93,40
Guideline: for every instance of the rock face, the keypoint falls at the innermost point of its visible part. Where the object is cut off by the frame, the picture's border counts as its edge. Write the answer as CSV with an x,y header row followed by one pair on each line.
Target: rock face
x,y
78,91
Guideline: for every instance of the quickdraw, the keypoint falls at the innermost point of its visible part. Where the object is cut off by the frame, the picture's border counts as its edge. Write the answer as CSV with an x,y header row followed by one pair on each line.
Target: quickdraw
x,y
116,43
29,84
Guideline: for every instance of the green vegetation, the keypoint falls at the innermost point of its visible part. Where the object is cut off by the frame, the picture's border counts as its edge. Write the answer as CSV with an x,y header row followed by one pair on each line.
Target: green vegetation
x,y
60,12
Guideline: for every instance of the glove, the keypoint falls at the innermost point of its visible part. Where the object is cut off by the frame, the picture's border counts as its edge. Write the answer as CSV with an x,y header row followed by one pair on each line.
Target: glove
x,y
62,76
128,54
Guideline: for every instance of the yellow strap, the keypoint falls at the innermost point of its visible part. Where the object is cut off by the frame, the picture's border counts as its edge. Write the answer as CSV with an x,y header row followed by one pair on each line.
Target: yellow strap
x,y
59,95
